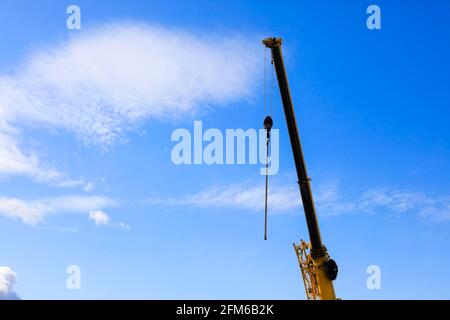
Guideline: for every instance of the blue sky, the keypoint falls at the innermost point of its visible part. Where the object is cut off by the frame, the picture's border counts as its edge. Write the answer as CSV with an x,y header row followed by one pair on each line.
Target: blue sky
x,y
86,127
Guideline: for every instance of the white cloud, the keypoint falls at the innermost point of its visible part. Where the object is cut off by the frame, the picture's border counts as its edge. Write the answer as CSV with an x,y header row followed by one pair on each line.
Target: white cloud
x,y
243,196
99,217
88,187
29,213
123,226
7,282
13,161
435,208
104,82
33,212
328,200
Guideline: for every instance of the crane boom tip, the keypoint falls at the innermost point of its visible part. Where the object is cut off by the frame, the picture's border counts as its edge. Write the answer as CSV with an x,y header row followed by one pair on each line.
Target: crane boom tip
x,y
272,42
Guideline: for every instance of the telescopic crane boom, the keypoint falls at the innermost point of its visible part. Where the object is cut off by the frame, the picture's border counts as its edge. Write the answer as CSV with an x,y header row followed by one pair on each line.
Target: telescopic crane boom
x,y
318,269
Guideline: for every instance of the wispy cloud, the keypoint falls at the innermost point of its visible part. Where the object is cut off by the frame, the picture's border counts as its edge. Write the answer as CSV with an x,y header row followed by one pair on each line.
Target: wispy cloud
x,y
33,212
14,161
7,281
243,196
433,207
101,218
329,200
106,81
436,208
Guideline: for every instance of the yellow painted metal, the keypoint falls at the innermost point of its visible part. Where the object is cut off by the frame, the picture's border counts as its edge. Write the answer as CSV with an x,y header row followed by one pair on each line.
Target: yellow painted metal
x,y
317,284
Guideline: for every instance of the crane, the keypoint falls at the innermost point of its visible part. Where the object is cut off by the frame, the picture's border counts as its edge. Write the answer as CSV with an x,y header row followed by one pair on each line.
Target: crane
x,y
317,268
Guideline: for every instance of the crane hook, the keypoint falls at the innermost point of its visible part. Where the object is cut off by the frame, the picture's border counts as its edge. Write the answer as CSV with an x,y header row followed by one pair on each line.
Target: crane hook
x,y
268,123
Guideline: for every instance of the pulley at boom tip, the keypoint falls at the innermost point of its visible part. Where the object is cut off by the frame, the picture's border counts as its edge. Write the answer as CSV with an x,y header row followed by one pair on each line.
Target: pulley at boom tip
x,y
272,42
